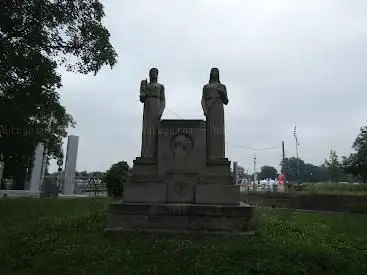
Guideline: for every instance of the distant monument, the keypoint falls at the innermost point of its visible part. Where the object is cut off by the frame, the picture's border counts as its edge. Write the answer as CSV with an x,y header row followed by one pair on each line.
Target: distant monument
x,y
36,174
70,165
182,181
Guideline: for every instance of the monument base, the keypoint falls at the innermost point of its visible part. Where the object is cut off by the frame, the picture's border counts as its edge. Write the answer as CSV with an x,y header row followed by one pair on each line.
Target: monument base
x,y
144,170
218,171
179,218
180,192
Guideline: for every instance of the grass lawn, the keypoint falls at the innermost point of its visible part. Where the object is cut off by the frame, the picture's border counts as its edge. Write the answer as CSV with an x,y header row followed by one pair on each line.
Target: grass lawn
x,y
335,188
65,236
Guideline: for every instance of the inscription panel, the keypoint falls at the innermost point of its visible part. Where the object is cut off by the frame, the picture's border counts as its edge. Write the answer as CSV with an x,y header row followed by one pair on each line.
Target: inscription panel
x,y
181,191
181,146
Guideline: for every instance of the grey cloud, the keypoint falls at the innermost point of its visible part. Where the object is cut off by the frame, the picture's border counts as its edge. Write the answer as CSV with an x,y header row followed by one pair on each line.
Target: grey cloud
x,y
282,61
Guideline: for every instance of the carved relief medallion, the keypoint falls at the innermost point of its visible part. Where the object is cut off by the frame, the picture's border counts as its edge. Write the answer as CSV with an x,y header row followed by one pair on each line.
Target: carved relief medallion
x,y
181,145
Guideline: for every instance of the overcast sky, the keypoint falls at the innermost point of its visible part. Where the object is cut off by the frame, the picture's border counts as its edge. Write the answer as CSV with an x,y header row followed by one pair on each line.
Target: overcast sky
x,y
283,62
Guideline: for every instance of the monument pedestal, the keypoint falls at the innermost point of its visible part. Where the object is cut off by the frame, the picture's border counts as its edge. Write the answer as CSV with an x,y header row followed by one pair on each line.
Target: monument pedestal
x,y
181,191
214,208
179,218
144,170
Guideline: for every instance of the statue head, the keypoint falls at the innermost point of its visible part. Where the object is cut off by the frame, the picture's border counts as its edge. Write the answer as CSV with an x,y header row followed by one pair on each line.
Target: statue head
x,y
153,75
214,75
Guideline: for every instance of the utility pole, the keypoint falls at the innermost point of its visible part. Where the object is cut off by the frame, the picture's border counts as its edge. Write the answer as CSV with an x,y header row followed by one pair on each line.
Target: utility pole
x,y
297,144
284,168
255,169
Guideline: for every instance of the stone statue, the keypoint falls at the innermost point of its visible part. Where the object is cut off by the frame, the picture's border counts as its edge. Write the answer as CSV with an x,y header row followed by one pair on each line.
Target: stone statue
x,y
214,96
152,95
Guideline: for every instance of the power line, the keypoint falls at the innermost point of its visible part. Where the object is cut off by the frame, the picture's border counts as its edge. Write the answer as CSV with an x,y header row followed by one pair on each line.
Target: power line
x,y
174,113
256,149
230,144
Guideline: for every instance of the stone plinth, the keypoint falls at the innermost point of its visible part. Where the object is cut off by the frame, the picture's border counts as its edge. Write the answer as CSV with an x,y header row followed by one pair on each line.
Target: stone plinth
x,y
144,170
218,194
218,167
189,218
186,191
145,193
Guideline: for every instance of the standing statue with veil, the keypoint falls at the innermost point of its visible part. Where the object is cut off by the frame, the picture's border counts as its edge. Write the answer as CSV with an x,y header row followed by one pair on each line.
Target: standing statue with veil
x,y
152,95
213,99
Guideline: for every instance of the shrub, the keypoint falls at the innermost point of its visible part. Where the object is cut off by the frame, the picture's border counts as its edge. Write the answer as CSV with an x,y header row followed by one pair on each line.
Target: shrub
x,y
116,177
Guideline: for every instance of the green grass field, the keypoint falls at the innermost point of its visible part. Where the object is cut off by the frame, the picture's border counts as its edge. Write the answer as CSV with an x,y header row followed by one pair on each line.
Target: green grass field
x,y
336,188
65,236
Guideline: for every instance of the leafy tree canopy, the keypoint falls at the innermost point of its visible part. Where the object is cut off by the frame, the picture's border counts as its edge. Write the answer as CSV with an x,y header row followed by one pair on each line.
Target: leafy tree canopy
x,y
333,166
116,177
356,163
268,172
36,37
308,172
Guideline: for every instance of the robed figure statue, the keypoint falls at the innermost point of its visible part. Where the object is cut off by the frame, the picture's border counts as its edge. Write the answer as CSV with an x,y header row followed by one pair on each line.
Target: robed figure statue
x,y
152,95
214,96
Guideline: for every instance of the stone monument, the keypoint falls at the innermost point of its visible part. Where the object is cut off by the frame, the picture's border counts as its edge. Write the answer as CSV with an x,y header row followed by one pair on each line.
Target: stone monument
x,y
182,181
35,181
70,165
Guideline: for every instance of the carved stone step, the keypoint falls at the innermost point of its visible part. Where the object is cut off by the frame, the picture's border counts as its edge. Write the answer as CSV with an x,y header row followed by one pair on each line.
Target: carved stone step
x,y
179,217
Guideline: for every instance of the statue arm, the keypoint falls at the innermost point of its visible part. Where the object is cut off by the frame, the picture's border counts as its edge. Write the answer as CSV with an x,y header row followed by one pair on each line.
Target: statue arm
x,y
203,102
225,97
163,101
143,89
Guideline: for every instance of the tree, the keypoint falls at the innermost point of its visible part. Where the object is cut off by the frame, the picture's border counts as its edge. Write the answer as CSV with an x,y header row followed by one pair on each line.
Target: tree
x,y
289,167
333,167
268,172
314,173
116,177
308,172
82,174
356,163
36,37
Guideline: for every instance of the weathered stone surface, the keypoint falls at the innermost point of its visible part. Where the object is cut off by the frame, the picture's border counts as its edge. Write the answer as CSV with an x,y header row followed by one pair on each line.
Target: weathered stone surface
x,y
217,194
179,209
144,167
179,217
169,222
181,146
145,192
181,187
224,180
218,167
181,191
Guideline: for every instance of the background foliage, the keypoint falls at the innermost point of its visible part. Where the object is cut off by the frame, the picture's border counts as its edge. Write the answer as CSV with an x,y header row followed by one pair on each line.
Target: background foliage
x,y
36,38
